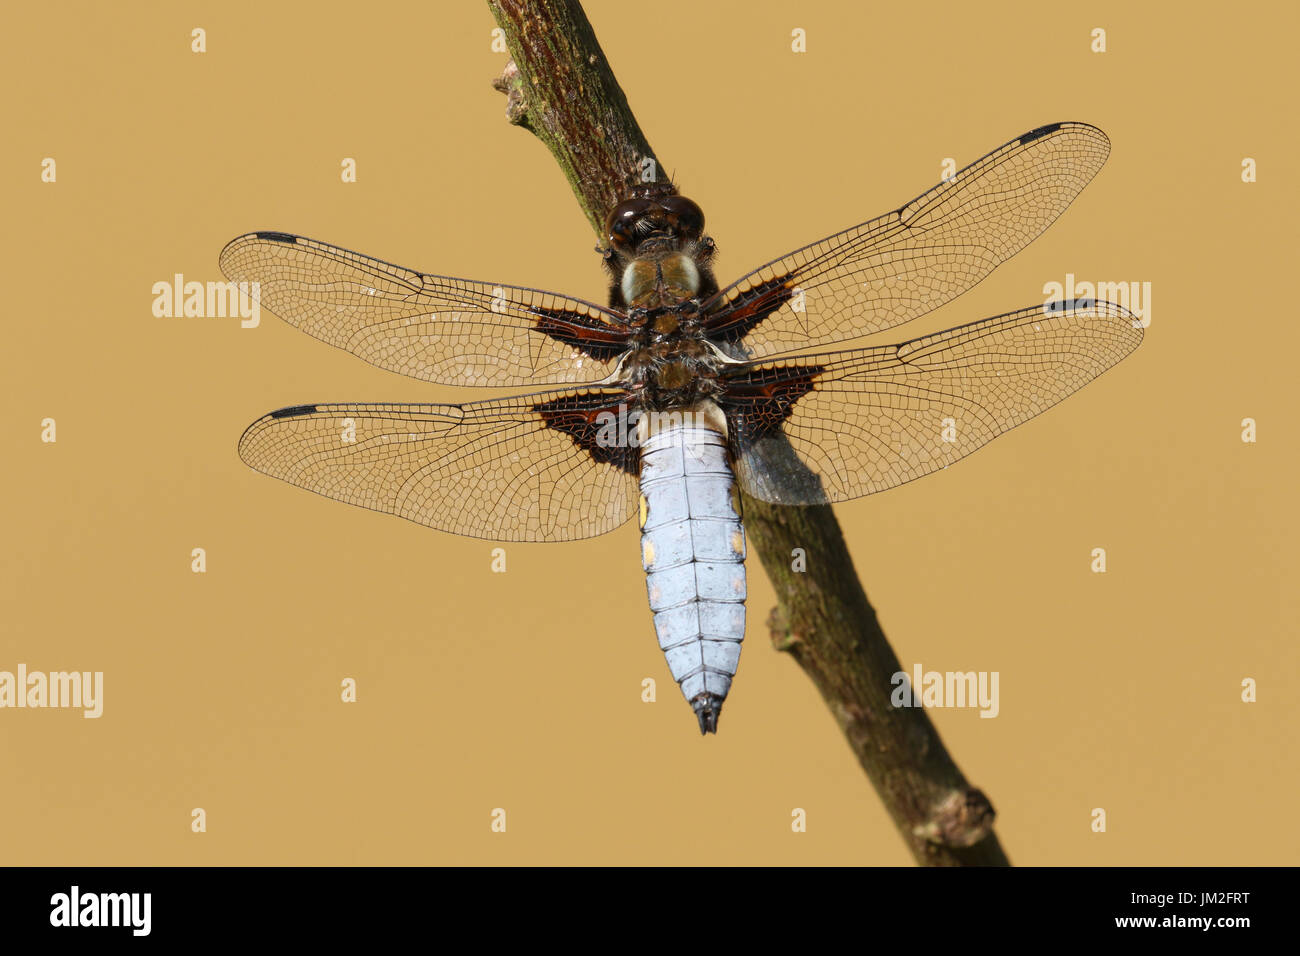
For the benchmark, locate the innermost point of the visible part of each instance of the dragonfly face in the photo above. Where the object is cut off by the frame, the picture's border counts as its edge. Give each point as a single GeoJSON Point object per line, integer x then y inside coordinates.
{"type": "Point", "coordinates": [679, 393]}
{"type": "Point", "coordinates": [658, 254]}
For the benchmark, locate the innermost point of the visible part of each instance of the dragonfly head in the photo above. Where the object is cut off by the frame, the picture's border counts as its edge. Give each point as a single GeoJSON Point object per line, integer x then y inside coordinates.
{"type": "Point", "coordinates": [657, 244]}
{"type": "Point", "coordinates": [635, 222]}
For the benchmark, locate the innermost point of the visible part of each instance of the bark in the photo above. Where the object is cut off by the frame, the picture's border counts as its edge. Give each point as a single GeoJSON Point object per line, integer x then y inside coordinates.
{"type": "Point", "coordinates": [560, 87]}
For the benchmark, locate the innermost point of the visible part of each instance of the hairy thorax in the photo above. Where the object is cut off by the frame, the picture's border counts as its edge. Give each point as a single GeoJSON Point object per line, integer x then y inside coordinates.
{"type": "Point", "coordinates": [671, 365]}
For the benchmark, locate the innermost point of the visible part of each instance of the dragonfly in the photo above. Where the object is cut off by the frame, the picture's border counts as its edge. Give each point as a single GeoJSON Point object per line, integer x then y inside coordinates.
{"type": "Point", "coordinates": [677, 394]}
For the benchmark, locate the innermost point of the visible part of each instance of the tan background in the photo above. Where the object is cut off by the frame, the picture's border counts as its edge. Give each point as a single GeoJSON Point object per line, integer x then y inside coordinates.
{"type": "Point", "coordinates": [521, 690]}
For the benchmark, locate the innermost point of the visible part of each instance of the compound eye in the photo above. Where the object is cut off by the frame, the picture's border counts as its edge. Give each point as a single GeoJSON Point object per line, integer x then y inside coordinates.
{"type": "Point", "coordinates": [685, 216]}
{"type": "Point", "coordinates": [620, 227]}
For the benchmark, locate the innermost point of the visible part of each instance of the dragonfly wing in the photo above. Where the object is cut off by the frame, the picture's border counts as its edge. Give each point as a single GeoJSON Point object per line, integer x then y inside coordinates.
{"type": "Point", "coordinates": [527, 468]}
{"type": "Point", "coordinates": [905, 263]}
{"type": "Point", "coordinates": [434, 328]}
{"type": "Point", "coordinates": [862, 421]}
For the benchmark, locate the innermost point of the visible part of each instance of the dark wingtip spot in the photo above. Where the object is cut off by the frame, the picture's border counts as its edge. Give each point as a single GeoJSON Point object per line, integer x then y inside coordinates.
{"type": "Point", "coordinates": [293, 411]}
{"type": "Point", "coordinates": [1039, 133]}
{"type": "Point", "coordinates": [277, 237]}
{"type": "Point", "coordinates": [1061, 306]}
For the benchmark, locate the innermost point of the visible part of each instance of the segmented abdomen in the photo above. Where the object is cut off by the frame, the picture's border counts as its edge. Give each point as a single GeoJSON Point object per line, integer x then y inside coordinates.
{"type": "Point", "coordinates": [693, 552]}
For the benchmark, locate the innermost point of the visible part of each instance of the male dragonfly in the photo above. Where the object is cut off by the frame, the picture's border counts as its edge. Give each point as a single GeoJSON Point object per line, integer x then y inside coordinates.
{"type": "Point", "coordinates": [678, 392]}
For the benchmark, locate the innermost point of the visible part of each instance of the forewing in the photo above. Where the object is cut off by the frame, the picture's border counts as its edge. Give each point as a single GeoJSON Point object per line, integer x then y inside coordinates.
{"type": "Point", "coordinates": [866, 420]}
{"type": "Point", "coordinates": [526, 468]}
{"type": "Point", "coordinates": [434, 328]}
{"type": "Point", "coordinates": [907, 262]}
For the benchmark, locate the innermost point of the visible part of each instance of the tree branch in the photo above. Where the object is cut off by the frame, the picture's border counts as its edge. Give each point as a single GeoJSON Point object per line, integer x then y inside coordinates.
{"type": "Point", "coordinates": [560, 87]}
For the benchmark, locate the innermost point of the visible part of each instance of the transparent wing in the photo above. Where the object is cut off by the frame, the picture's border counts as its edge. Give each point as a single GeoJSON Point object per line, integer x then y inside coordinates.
{"type": "Point", "coordinates": [434, 328]}
{"type": "Point", "coordinates": [526, 468]}
{"type": "Point", "coordinates": [907, 262]}
{"type": "Point", "coordinates": [866, 420]}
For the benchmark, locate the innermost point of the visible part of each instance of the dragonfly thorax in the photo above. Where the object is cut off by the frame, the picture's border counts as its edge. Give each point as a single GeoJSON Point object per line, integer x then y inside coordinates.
{"type": "Point", "coordinates": [675, 372]}
{"type": "Point", "coordinates": [660, 279]}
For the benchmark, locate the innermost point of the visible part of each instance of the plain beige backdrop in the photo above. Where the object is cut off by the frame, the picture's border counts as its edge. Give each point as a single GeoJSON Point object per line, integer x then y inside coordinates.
{"type": "Point", "coordinates": [521, 690]}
